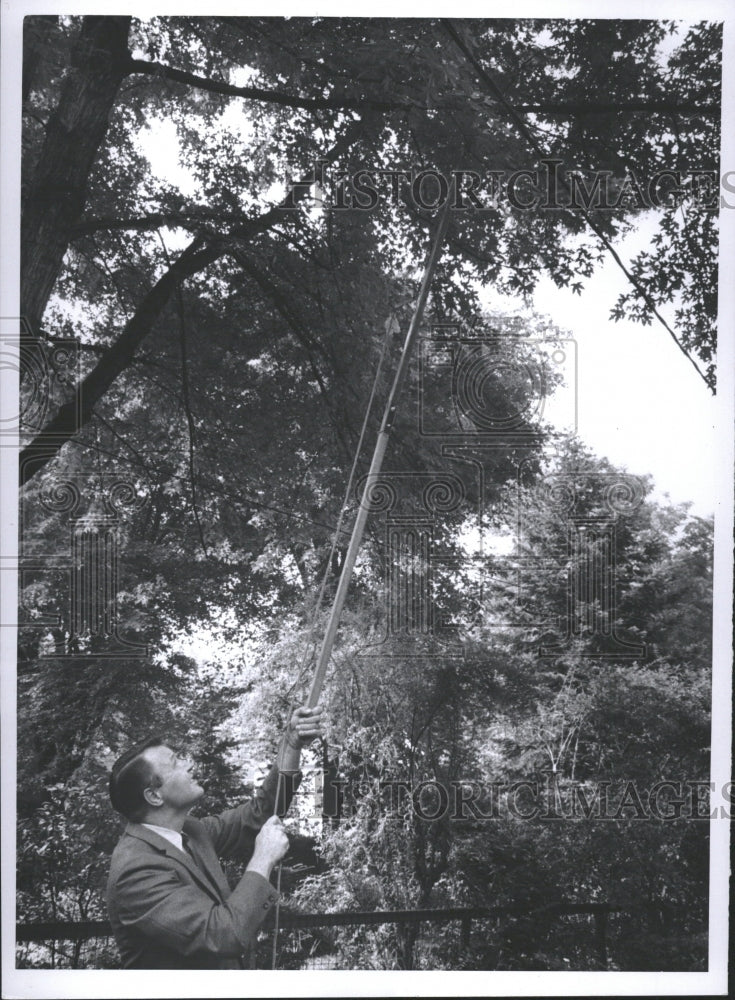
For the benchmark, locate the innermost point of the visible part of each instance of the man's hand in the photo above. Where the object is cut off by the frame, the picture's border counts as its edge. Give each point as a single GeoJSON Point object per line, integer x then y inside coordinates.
{"type": "Point", "coordinates": [270, 846]}
{"type": "Point", "coordinates": [304, 726]}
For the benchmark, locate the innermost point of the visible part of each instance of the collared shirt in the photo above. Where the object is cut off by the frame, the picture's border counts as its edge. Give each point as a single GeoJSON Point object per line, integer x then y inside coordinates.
{"type": "Point", "coordinates": [172, 836]}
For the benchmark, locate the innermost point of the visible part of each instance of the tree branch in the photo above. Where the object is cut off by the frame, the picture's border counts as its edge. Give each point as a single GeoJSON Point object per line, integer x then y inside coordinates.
{"type": "Point", "coordinates": [72, 416]}
{"type": "Point", "coordinates": [338, 103]}
{"type": "Point", "coordinates": [601, 108]}
{"type": "Point", "coordinates": [157, 219]}
{"type": "Point", "coordinates": [345, 103]}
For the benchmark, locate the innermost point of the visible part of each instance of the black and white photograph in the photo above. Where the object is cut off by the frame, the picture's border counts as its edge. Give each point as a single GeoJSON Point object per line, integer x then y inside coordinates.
{"type": "Point", "coordinates": [367, 460]}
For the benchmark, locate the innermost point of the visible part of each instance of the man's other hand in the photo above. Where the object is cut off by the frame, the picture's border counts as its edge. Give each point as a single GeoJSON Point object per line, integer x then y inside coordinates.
{"type": "Point", "coordinates": [270, 846]}
{"type": "Point", "coordinates": [305, 725]}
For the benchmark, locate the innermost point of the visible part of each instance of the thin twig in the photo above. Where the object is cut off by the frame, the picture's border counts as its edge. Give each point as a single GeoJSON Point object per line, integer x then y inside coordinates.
{"type": "Point", "coordinates": [187, 406]}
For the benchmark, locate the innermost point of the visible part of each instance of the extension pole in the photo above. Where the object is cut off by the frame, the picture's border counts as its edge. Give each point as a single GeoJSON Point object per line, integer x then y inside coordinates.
{"type": "Point", "coordinates": [377, 462]}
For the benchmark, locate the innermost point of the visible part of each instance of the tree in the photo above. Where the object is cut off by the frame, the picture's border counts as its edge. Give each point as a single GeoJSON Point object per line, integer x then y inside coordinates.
{"type": "Point", "coordinates": [316, 95]}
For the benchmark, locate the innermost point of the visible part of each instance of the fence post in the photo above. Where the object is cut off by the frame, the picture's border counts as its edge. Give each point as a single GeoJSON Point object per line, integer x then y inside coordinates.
{"type": "Point", "coordinates": [466, 928]}
{"type": "Point", "coordinates": [601, 936]}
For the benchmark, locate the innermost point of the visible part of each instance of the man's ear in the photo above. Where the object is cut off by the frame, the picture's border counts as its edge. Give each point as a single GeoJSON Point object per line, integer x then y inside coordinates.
{"type": "Point", "coordinates": [152, 796]}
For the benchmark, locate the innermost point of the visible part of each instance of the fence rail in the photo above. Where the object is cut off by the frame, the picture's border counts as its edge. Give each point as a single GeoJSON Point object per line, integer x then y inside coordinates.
{"type": "Point", "coordinates": [84, 929]}
{"type": "Point", "coordinates": [293, 925]}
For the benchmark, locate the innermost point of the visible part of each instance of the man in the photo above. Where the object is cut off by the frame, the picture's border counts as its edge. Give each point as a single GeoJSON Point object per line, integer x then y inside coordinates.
{"type": "Point", "coordinates": [169, 902]}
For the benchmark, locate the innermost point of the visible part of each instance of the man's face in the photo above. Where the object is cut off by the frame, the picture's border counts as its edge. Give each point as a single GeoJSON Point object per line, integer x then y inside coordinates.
{"type": "Point", "coordinates": [178, 789]}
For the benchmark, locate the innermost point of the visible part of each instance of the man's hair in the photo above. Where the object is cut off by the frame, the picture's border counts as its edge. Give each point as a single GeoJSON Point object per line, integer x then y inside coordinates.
{"type": "Point", "coordinates": [131, 775]}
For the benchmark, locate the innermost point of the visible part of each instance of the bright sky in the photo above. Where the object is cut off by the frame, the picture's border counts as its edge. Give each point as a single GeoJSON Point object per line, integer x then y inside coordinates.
{"type": "Point", "coordinates": [640, 402]}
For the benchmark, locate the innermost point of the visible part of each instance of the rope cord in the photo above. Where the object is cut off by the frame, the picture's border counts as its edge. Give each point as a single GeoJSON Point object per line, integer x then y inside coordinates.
{"type": "Point", "coordinates": [348, 492]}
{"type": "Point", "coordinates": [376, 464]}
{"type": "Point", "coordinates": [309, 645]}
{"type": "Point", "coordinates": [274, 951]}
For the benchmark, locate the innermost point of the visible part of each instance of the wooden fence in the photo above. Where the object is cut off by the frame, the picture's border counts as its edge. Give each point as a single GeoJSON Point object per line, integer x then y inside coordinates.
{"type": "Point", "coordinates": [92, 945]}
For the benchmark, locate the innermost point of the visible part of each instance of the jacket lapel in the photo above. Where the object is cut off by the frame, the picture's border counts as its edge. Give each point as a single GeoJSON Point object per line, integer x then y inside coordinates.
{"type": "Point", "coordinates": [202, 875]}
{"type": "Point", "coordinates": [208, 862]}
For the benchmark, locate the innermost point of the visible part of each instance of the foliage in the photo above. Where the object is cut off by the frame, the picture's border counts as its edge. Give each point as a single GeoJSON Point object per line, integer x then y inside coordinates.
{"type": "Point", "coordinates": [228, 352]}
{"type": "Point", "coordinates": [354, 93]}
{"type": "Point", "coordinates": [571, 725]}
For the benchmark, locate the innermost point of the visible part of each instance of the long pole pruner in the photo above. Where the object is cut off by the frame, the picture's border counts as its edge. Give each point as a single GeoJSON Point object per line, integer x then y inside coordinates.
{"type": "Point", "coordinates": [375, 466]}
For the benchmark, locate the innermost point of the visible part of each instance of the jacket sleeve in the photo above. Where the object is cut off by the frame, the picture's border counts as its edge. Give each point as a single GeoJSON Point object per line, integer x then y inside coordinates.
{"type": "Point", "coordinates": [233, 831]}
{"type": "Point", "coordinates": [152, 898]}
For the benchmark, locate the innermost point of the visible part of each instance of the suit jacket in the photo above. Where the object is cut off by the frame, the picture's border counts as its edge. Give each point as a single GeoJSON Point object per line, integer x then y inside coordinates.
{"type": "Point", "coordinates": [169, 911]}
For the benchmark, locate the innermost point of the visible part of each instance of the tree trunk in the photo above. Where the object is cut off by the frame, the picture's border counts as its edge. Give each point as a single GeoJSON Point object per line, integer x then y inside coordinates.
{"type": "Point", "coordinates": [55, 197]}
{"type": "Point", "coordinates": [72, 416]}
